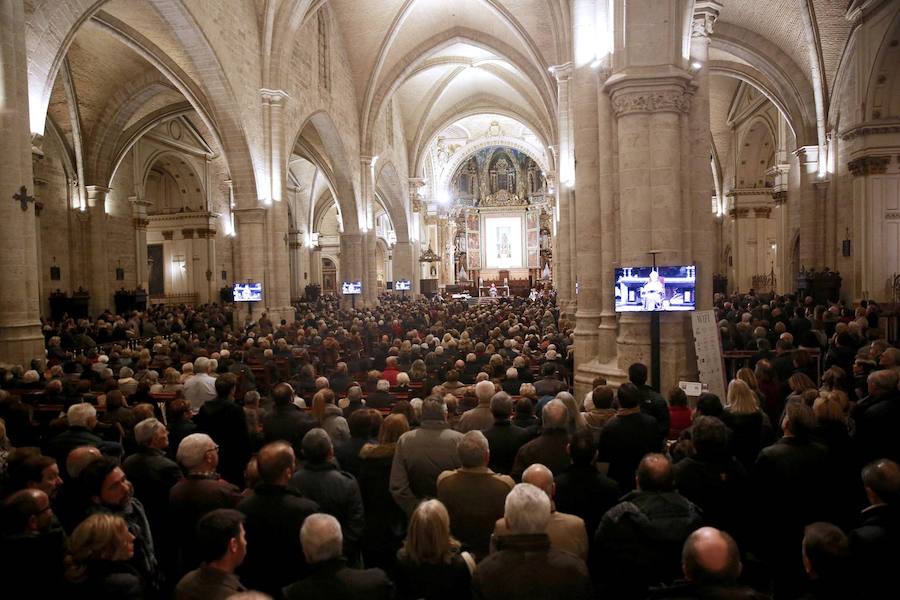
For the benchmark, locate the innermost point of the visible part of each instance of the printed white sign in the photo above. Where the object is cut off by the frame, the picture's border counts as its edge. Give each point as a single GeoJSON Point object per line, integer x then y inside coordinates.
{"type": "Point", "coordinates": [708, 346]}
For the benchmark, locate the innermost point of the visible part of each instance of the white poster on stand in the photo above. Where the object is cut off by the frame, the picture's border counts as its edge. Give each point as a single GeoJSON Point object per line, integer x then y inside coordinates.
{"type": "Point", "coordinates": [708, 346]}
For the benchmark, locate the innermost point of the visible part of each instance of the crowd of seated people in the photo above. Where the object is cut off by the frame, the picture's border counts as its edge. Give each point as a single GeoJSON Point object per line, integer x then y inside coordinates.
{"type": "Point", "coordinates": [434, 450]}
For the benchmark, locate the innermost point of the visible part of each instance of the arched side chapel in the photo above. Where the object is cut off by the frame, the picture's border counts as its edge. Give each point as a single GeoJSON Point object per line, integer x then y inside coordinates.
{"type": "Point", "coordinates": [179, 146]}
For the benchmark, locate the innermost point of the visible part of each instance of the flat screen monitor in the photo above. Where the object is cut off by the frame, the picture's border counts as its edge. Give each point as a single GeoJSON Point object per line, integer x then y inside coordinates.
{"type": "Point", "coordinates": [247, 292]}
{"type": "Point", "coordinates": [403, 285]}
{"type": "Point", "coordinates": [656, 289]}
{"type": "Point", "coordinates": [351, 288]}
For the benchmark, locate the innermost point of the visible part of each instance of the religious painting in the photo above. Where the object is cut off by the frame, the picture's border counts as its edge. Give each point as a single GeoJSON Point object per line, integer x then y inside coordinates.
{"type": "Point", "coordinates": [534, 258]}
{"type": "Point", "coordinates": [473, 253]}
{"type": "Point", "coordinates": [531, 219]}
{"type": "Point", "coordinates": [503, 242]}
{"type": "Point", "coordinates": [55, 274]}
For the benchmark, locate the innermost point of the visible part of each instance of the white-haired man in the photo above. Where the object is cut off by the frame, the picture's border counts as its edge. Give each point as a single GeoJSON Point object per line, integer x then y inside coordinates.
{"type": "Point", "coordinates": [566, 532]}
{"type": "Point", "coordinates": [200, 491]}
{"type": "Point", "coordinates": [525, 564]}
{"type": "Point", "coordinates": [329, 576]}
{"type": "Point", "coordinates": [202, 386]}
{"type": "Point", "coordinates": [480, 417]}
{"type": "Point", "coordinates": [82, 418]}
{"type": "Point", "coordinates": [153, 474]}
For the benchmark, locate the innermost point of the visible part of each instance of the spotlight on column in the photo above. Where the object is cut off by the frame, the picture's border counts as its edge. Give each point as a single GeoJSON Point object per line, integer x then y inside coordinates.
{"type": "Point", "coordinates": [696, 66]}
{"type": "Point", "coordinates": [596, 63]}
{"type": "Point", "coordinates": [443, 198]}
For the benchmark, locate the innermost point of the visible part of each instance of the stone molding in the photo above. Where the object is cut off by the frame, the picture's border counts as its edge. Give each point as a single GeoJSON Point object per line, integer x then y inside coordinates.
{"type": "Point", "coordinates": [779, 197]}
{"type": "Point", "coordinates": [206, 233]}
{"type": "Point", "coordinates": [250, 215]}
{"type": "Point", "coordinates": [562, 72]}
{"type": "Point", "coordinates": [868, 165]}
{"type": "Point", "coordinates": [140, 224]}
{"type": "Point", "coordinates": [706, 13]}
{"type": "Point", "coordinates": [763, 191]}
{"type": "Point", "coordinates": [168, 234]}
{"type": "Point", "coordinates": [274, 97]}
{"type": "Point", "coordinates": [872, 129]}
{"type": "Point", "coordinates": [187, 234]}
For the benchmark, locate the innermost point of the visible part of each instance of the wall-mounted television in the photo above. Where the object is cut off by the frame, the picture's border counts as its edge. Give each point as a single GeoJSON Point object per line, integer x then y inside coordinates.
{"type": "Point", "coordinates": [247, 292]}
{"type": "Point", "coordinates": [656, 289]}
{"type": "Point", "coordinates": [403, 285]}
{"type": "Point", "coordinates": [351, 288]}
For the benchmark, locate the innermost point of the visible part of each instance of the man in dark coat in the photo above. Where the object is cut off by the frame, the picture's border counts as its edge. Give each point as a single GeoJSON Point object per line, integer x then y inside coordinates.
{"type": "Point", "coordinates": [153, 475]}
{"type": "Point", "coordinates": [627, 437]}
{"type": "Point", "coordinates": [335, 491]}
{"type": "Point", "coordinates": [32, 550]}
{"type": "Point", "coordinates": [524, 565]}
{"type": "Point", "coordinates": [877, 418]}
{"type": "Point", "coordinates": [792, 479]}
{"type": "Point", "coordinates": [549, 384]}
{"type": "Point", "coordinates": [582, 490]}
{"type": "Point", "coordinates": [82, 418]}
{"type": "Point", "coordinates": [225, 422]}
{"type": "Point", "coordinates": [875, 543]}
{"type": "Point", "coordinates": [274, 517]}
{"type": "Point", "coordinates": [329, 576]}
{"type": "Point", "coordinates": [711, 564]}
{"type": "Point", "coordinates": [286, 421]}
{"type": "Point", "coordinates": [549, 448]}
{"type": "Point", "coordinates": [504, 438]}
{"type": "Point", "coordinates": [638, 541]}
{"type": "Point", "coordinates": [652, 403]}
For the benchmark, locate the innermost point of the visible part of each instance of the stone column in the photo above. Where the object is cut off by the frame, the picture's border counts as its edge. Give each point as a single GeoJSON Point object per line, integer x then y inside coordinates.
{"type": "Point", "coordinates": [295, 245]}
{"type": "Point", "coordinates": [210, 275]}
{"type": "Point", "coordinates": [140, 221]}
{"type": "Point", "coordinates": [20, 330]}
{"type": "Point", "coordinates": [649, 111]}
{"type": "Point", "coordinates": [315, 265]}
{"type": "Point", "coordinates": [251, 245]}
{"type": "Point", "coordinates": [699, 213]}
{"type": "Point", "coordinates": [99, 280]}
{"type": "Point", "coordinates": [278, 278]}
{"type": "Point", "coordinates": [562, 250]}
{"type": "Point", "coordinates": [587, 227]}
{"type": "Point", "coordinates": [370, 261]}
{"type": "Point", "coordinates": [810, 256]}
{"type": "Point", "coordinates": [609, 216]}
{"type": "Point", "coordinates": [352, 247]}
{"type": "Point", "coordinates": [403, 266]}
{"type": "Point", "coordinates": [39, 186]}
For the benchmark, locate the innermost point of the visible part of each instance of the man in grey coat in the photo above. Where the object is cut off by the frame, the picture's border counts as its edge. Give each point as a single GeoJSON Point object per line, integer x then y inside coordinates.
{"type": "Point", "coordinates": [422, 454]}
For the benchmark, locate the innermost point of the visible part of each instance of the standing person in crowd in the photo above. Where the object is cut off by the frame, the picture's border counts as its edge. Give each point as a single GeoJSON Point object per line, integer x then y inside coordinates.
{"type": "Point", "coordinates": [430, 565]}
{"type": "Point", "coordinates": [627, 437]}
{"type": "Point", "coordinates": [525, 565]}
{"type": "Point", "coordinates": [385, 520]}
{"type": "Point", "coordinates": [423, 454]}
{"type": "Point", "coordinates": [222, 546]}
{"type": "Point", "coordinates": [201, 387]}
{"type": "Point", "coordinates": [32, 546]}
{"type": "Point", "coordinates": [652, 403]}
{"type": "Point", "coordinates": [225, 422]}
{"type": "Point", "coordinates": [750, 427]}
{"type": "Point", "coordinates": [274, 514]}
{"type": "Point", "coordinates": [286, 421]}
{"type": "Point", "coordinates": [480, 417]}
{"type": "Point", "coordinates": [101, 560]}
{"type": "Point", "coordinates": [329, 576]}
{"type": "Point", "coordinates": [679, 413]}
{"type": "Point", "coordinates": [504, 437]}
{"type": "Point", "coordinates": [549, 448]}
{"type": "Point", "coordinates": [875, 542]}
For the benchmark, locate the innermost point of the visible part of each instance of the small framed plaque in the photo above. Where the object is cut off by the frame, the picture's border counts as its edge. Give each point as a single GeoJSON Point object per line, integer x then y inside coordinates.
{"type": "Point", "coordinates": [55, 274]}
{"type": "Point", "coordinates": [120, 274]}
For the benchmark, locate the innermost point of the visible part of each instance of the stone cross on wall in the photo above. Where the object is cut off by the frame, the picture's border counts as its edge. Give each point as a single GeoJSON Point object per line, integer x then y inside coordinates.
{"type": "Point", "coordinates": [23, 197]}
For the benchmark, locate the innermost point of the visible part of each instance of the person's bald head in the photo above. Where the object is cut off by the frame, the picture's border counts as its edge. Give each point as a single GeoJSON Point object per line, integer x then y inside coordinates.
{"type": "Point", "coordinates": [79, 458]}
{"type": "Point", "coordinates": [27, 511]}
{"type": "Point", "coordinates": [554, 415]}
{"type": "Point", "coordinates": [654, 474]}
{"type": "Point", "coordinates": [541, 477]}
{"type": "Point", "coordinates": [710, 555]}
{"type": "Point", "coordinates": [275, 462]}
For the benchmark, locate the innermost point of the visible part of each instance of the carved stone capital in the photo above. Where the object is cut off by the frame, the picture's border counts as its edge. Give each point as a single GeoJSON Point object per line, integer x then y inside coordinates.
{"type": "Point", "coordinates": [206, 233]}
{"type": "Point", "coordinates": [779, 197]}
{"type": "Point", "coordinates": [273, 97]}
{"type": "Point", "coordinates": [762, 212]}
{"type": "Point", "coordinates": [706, 12]}
{"type": "Point", "coordinates": [562, 72]}
{"type": "Point", "coordinates": [168, 234]}
{"type": "Point", "coordinates": [187, 233]}
{"type": "Point", "coordinates": [868, 165]}
{"type": "Point", "coordinates": [647, 102]}
{"type": "Point", "coordinates": [140, 224]}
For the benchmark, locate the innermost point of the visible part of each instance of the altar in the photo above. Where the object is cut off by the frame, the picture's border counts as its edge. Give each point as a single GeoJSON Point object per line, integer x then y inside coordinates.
{"type": "Point", "coordinates": [502, 291]}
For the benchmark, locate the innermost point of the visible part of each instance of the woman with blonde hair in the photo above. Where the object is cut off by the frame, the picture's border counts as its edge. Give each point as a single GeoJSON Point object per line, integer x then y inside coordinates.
{"type": "Point", "coordinates": [385, 521]}
{"type": "Point", "coordinates": [97, 566]}
{"type": "Point", "coordinates": [749, 377]}
{"type": "Point", "coordinates": [417, 371]}
{"type": "Point", "coordinates": [430, 564]}
{"type": "Point", "coordinates": [751, 428]}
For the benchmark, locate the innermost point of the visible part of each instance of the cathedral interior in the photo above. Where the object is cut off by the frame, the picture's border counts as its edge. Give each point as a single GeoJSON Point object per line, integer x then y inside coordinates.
{"type": "Point", "coordinates": [179, 146]}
